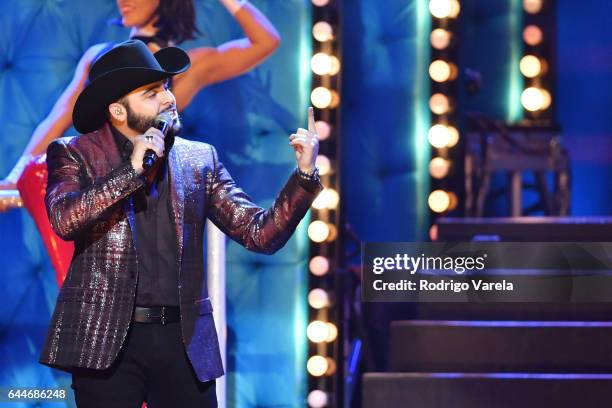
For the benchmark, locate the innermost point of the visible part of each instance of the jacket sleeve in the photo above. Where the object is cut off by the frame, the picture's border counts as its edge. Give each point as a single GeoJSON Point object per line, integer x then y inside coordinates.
{"type": "Point", "coordinates": [72, 204]}
{"type": "Point", "coordinates": [259, 230]}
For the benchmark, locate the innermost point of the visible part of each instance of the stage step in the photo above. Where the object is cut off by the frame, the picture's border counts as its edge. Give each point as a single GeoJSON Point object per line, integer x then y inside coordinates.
{"type": "Point", "coordinates": [530, 229]}
{"type": "Point", "coordinates": [478, 390]}
{"type": "Point", "coordinates": [501, 346]}
{"type": "Point", "coordinates": [515, 311]}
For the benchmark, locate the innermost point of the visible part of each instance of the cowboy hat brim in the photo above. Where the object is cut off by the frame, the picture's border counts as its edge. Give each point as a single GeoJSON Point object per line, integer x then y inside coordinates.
{"type": "Point", "coordinates": [90, 109]}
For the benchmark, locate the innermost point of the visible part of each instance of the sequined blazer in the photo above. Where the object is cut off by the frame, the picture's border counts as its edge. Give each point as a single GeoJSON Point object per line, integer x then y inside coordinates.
{"type": "Point", "coordinates": [89, 201]}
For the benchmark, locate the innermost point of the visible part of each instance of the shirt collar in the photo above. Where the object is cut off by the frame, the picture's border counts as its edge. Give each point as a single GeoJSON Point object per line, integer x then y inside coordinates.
{"type": "Point", "coordinates": [124, 145]}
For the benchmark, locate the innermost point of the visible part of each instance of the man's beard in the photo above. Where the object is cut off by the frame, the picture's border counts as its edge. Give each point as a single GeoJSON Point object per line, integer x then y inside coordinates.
{"type": "Point", "coordinates": [142, 123]}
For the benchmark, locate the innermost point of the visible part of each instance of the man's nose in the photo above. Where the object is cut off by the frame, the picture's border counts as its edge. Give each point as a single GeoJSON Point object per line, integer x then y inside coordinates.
{"type": "Point", "coordinates": [166, 97]}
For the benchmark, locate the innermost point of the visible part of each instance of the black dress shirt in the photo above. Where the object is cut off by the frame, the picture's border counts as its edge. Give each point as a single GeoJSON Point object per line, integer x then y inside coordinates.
{"type": "Point", "coordinates": [155, 240]}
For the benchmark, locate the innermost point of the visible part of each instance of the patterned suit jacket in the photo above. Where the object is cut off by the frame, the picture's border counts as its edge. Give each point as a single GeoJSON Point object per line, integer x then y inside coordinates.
{"type": "Point", "coordinates": [89, 201]}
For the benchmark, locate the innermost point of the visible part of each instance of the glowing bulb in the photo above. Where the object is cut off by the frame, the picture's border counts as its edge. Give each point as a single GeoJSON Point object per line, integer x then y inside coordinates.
{"type": "Point", "coordinates": [442, 71]}
{"type": "Point", "coordinates": [317, 399]}
{"type": "Point", "coordinates": [320, 63]}
{"type": "Point", "coordinates": [320, 3]}
{"type": "Point", "coordinates": [318, 298]}
{"type": "Point", "coordinates": [319, 265]}
{"type": "Point", "coordinates": [440, 8]}
{"type": "Point", "coordinates": [317, 365]}
{"type": "Point", "coordinates": [433, 232]}
{"type": "Point", "coordinates": [453, 200]}
{"type": "Point", "coordinates": [530, 66]}
{"type": "Point", "coordinates": [455, 9]}
{"type": "Point", "coordinates": [335, 65]}
{"type": "Point", "coordinates": [439, 201]}
{"type": "Point", "coordinates": [532, 99]}
{"type": "Point", "coordinates": [322, 31]}
{"type": "Point", "coordinates": [327, 198]}
{"type": "Point", "coordinates": [335, 99]}
{"type": "Point", "coordinates": [317, 331]}
{"type": "Point", "coordinates": [532, 35]}
{"type": "Point", "coordinates": [439, 167]}
{"type": "Point", "coordinates": [320, 202]}
{"type": "Point", "coordinates": [321, 97]}
{"type": "Point", "coordinates": [439, 136]}
{"type": "Point", "coordinates": [331, 366]}
{"type": "Point", "coordinates": [454, 136]}
{"type": "Point", "coordinates": [318, 231]}
{"type": "Point", "coordinates": [440, 38]}
{"type": "Point", "coordinates": [324, 164]}
{"type": "Point", "coordinates": [332, 332]}
{"type": "Point", "coordinates": [439, 104]}
{"type": "Point", "coordinates": [532, 6]}
{"type": "Point", "coordinates": [323, 129]}
{"type": "Point", "coordinates": [333, 232]}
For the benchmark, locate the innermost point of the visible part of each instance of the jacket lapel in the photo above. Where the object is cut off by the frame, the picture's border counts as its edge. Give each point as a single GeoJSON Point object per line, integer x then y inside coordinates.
{"type": "Point", "coordinates": [177, 197]}
{"type": "Point", "coordinates": [106, 142]}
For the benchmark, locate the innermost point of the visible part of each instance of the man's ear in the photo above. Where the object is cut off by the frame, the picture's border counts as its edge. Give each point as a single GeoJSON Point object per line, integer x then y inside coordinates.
{"type": "Point", "coordinates": [117, 112]}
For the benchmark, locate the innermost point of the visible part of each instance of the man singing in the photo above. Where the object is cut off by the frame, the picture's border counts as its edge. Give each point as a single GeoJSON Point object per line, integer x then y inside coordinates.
{"type": "Point", "coordinates": [133, 321]}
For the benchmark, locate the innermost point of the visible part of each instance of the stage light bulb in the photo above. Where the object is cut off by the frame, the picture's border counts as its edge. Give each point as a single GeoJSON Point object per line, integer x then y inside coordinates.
{"type": "Point", "coordinates": [433, 232]}
{"type": "Point", "coordinates": [323, 164]}
{"type": "Point", "coordinates": [322, 31]}
{"type": "Point", "coordinates": [439, 136]}
{"type": "Point", "coordinates": [439, 201]}
{"type": "Point", "coordinates": [321, 97]}
{"type": "Point", "coordinates": [440, 38]}
{"type": "Point", "coordinates": [331, 366]}
{"type": "Point", "coordinates": [335, 65]}
{"type": "Point", "coordinates": [440, 71]}
{"type": "Point", "coordinates": [318, 265]}
{"type": "Point", "coordinates": [333, 232]}
{"type": "Point", "coordinates": [327, 198]}
{"type": "Point", "coordinates": [530, 66]}
{"type": "Point", "coordinates": [317, 331]}
{"type": "Point", "coordinates": [454, 136]}
{"type": "Point", "coordinates": [332, 332]}
{"type": "Point", "coordinates": [318, 231]}
{"type": "Point", "coordinates": [335, 99]}
{"type": "Point", "coordinates": [318, 298]}
{"type": "Point", "coordinates": [532, 6]}
{"type": "Point", "coordinates": [320, 63]}
{"type": "Point", "coordinates": [320, 3]}
{"type": "Point", "coordinates": [532, 99]}
{"type": "Point", "coordinates": [455, 9]}
{"type": "Point", "coordinates": [439, 104]}
{"type": "Point", "coordinates": [532, 35]}
{"type": "Point", "coordinates": [317, 399]}
{"type": "Point", "coordinates": [319, 202]}
{"type": "Point", "coordinates": [323, 129]}
{"type": "Point", "coordinates": [439, 167]}
{"type": "Point", "coordinates": [317, 366]}
{"type": "Point", "coordinates": [440, 8]}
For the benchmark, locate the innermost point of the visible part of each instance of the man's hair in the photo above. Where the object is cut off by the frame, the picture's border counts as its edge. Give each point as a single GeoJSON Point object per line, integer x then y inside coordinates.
{"type": "Point", "coordinates": [177, 21]}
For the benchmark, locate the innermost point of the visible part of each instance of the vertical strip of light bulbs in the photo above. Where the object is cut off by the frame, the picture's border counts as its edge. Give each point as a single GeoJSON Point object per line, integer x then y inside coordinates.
{"type": "Point", "coordinates": [443, 134]}
{"type": "Point", "coordinates": [536, 98]}
{"type": "Point", "coordinates": [322, 331]}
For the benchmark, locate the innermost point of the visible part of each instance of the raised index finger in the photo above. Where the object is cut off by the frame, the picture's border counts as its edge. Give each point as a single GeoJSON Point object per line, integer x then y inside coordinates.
{"type": "Point", "coordinates": [311, 120]}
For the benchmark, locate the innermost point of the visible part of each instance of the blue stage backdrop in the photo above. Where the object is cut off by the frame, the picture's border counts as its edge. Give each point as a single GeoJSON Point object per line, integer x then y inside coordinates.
{"type": "Point", "coordinates": [248, 119]}
{"type": "Point", "coordinates": [385, 118]}
{"type": "Point", "coordinates": [584, 100]}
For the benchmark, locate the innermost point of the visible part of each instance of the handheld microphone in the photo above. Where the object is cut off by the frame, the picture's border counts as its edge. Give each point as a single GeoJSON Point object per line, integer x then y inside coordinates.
{"type": "Point", "coordinates": [163, 122]}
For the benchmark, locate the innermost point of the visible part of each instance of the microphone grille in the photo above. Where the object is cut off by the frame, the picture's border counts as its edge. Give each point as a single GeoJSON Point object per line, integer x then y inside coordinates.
{"type": "Point", "coordinates": [164, 117]}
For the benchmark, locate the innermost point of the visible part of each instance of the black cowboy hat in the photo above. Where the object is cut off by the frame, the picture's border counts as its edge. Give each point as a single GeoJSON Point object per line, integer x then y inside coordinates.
{"type": "Point", "coordinates": [127, 66]}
